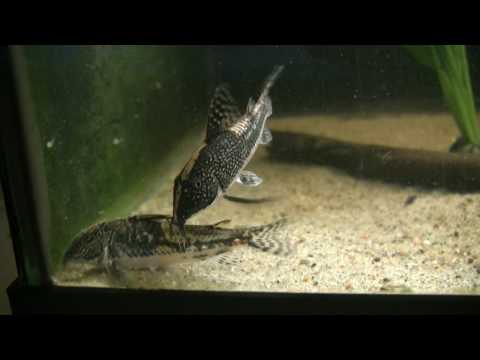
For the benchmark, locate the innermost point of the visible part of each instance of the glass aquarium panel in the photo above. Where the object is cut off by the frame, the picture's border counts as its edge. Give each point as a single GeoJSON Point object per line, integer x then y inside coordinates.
{"type": "Point", "coordinates": [325, 169]}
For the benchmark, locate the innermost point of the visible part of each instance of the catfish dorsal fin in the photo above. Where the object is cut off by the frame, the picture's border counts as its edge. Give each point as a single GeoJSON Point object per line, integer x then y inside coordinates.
{"type": "Point", "coordinates": [222, 112]}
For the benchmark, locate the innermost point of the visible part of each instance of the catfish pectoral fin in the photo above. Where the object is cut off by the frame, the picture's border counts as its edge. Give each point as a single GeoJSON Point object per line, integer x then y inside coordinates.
{"type": "Point", "coordinates": [226, 221]}
{"type": "Point", "coordinates": [248, 178]}
{"type": "Point", "coordinates": [266, 137]}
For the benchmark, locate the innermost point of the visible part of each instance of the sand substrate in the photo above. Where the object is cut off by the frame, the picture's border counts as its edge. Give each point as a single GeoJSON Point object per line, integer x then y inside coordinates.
{"type": "Point", "coordinates": [350, 235]}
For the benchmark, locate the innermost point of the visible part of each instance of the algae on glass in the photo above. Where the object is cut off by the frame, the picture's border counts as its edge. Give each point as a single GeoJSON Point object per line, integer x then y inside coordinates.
{"type": "Point", "coordinates": [104, 115]}
{"type": "Point", "coordinates": [451, 65]}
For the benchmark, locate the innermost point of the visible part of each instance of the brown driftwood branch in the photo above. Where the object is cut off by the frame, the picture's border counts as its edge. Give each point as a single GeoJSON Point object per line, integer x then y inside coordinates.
{"type": "Point", "coordinates": [432, 169]}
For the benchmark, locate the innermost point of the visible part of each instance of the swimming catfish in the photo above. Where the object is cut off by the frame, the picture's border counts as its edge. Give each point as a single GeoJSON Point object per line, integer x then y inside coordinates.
{"type": "Point", "coordinates": [150, 242]}
{"type": "Point", "coordinates": [230, 142]}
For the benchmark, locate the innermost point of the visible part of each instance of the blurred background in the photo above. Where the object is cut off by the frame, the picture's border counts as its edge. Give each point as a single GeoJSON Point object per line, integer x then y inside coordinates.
{"type": "Point", "coordinates": [8, 271]}
{"type": "Point", "coordinates": [337, 79]}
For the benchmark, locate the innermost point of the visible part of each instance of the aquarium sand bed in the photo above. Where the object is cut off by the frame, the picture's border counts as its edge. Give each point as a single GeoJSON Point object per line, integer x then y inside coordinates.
{"type": "Point", "coordinates": [350, 235]}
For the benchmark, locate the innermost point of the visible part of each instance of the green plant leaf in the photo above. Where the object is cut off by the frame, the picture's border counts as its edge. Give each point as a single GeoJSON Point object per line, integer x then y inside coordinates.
{"type": "Point", "coordinates": [451, 65]}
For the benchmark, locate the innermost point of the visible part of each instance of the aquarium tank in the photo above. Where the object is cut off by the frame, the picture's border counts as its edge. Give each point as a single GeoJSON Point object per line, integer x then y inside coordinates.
{"type": "Point", "coordinates": [298, 171]}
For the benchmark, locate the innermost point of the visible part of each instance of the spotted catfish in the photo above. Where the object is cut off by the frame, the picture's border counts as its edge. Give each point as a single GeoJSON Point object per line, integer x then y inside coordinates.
{"type": "Point", "coordinates": [230, 143]}
{"type": "Point", "coordinates": [148, 242]}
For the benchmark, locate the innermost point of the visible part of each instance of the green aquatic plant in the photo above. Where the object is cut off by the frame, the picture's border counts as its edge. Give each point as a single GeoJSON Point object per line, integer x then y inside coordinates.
{"type": "Point", "coordinates": [451, 65]}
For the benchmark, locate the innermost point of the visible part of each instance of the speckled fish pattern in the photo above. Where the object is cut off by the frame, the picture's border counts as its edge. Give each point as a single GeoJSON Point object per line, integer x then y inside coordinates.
{"type": "Point", "coordinates": [230, 143]}
{"type": "Point", "coordinates": [147, 237]}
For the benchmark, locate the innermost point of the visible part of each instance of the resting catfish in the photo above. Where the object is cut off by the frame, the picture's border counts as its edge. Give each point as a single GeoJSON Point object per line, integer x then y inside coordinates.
{"type": "Point", "coordinates": [150, 242]}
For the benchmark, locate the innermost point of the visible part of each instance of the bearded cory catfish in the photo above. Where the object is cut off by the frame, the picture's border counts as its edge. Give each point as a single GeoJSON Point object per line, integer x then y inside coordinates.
{"type": "Point", "coordinates": [150, 242]}
{"type": "Point", "coordinates": [230, 143]}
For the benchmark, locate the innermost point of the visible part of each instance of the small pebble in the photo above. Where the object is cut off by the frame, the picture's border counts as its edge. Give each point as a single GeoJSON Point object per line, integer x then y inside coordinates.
{"type": "Point", "coordinates": [377, 259]}
{"type": "Point", "coordinates": [410, 200]}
